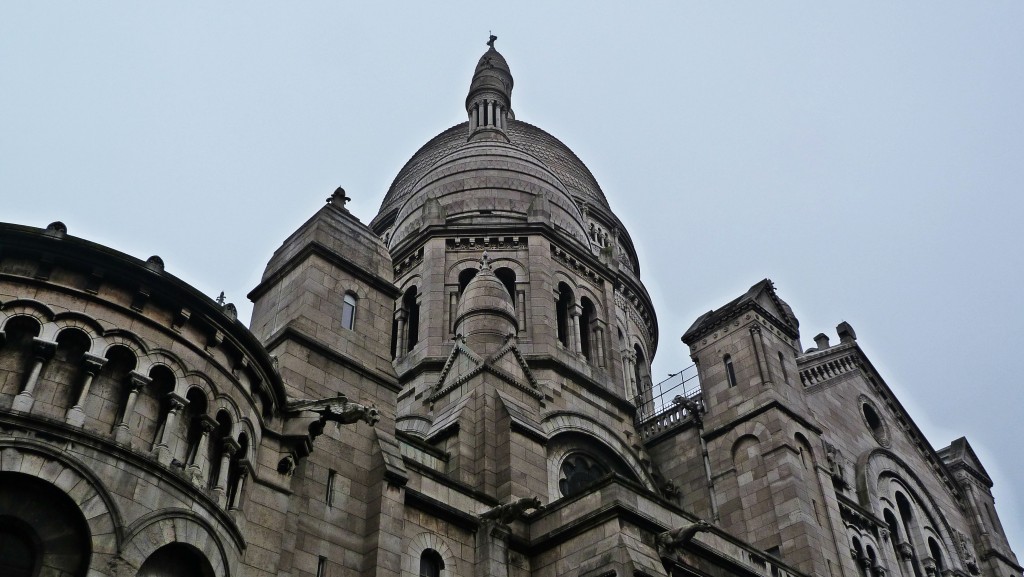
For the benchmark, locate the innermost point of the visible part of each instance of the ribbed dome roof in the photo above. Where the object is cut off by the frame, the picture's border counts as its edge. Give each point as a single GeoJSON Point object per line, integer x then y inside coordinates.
{"type": "Point", "coordinates": [556, 156]}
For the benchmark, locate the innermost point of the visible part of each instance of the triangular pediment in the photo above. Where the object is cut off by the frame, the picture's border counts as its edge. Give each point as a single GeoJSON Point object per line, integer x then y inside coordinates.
{"type": "Point", "coordinates": [507, 364]}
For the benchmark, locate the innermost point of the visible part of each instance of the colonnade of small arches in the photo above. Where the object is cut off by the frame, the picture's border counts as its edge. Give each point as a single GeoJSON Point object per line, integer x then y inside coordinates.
{"type": "Point", "coordinates": [65, 367]}
{"type": "Point", "coordinates": [580, 322]}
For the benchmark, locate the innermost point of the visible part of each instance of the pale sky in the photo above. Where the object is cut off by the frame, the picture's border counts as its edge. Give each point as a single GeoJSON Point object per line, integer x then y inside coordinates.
{"type": "Point", "coordinates": [867, 157]}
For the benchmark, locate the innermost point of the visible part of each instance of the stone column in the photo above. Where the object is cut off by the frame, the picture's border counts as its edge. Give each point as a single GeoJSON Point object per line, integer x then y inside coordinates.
{"type": "Point", "coordinates": [762, 361]}
{"type": "Point", "coordinates": [521, 310]}
{"type": "Point", "coordinates": [907, 556]}
{"type": "Point", "coordinates": [400, 315]}
{"type": "Point", "coordinates": [628, 360]}
{"type": "Point", "coordinates": [123, 431]}
{"type": "Point", "coordinates": [220, 490]}
{"type": "Point", "coordinates": [453, 305]}
{"type": "Point", "coordinates": [243, 473]}
{"type": "Point", "coordinates": [91, 364]}
{"type": "Point", "coordinates": [599, 338]}
{"type": "Point", "coordinates": [574, 331]}
{"type": "Point", "coordinates": [42, 351]}
{"type": "Point", "coordinates": [196, 469]}
{"type": "Point", "coordinates": [162, 448]}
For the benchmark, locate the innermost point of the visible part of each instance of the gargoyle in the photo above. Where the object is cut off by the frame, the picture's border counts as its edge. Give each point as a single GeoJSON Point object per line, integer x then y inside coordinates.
{"type": "Point", "coordinates": [338, 410]}
{"type": "Point", "coordinates": [676, 538]}
{"type": "Point", "coordinates": [509, 512]}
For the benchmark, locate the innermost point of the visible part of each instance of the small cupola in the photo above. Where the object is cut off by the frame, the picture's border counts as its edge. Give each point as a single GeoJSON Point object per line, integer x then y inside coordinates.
{"type": "Point", "coordinates": [485, 315]}
{"type": "Point", "coordinates": [489, 103]}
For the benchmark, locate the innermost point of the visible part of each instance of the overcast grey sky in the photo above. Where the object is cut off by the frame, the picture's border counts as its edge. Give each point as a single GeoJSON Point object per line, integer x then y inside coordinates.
{"type": "Point", "coordinates": [868, 157]}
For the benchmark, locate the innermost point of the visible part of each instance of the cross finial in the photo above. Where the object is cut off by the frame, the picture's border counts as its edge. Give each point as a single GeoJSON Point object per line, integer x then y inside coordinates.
{"type": "Point", "coordinates": [338, 198]}
{"type": "Point", "coordinates": [485, 261]}
{"type": "Point", "coordinates": [490, 42]}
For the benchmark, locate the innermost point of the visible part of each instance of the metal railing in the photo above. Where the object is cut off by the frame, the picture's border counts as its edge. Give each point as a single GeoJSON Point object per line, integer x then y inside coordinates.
{"type": "Point", "coordinates": [656, 399]}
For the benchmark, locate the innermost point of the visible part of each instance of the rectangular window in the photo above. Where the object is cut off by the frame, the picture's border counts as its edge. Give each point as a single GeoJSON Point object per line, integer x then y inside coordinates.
{"type": "Point", "coordinates": [332, 477]}
{"type": "Point", "coordinates": [321, 567]}
{"type": "Point", "coordinates": [348, 312]}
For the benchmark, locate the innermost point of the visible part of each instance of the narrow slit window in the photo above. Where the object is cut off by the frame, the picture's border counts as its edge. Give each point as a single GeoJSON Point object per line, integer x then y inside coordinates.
{"type": "Point", "coordinates": [332, 478]}
{"type": "Point", "coordinates": [730, 374]}
{"type": "Point", "coordinates": [348, 312]}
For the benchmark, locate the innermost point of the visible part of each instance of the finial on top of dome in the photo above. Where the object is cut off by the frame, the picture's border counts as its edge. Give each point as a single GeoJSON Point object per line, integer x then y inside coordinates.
{"type": "Point", "coordinates": [485, 261]}
{"type": "Point", "coordinates": [490, 42]}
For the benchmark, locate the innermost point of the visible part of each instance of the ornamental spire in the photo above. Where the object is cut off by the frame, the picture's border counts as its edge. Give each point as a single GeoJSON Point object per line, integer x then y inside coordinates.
{"type": "Point", "coordinates": [489, 102]}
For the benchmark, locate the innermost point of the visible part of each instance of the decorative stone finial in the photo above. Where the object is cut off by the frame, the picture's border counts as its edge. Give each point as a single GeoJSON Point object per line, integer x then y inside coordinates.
{"type": "Point", "coordinates": [485, 261]}
{"type": "Point", "coordinates": [57, 227]}
{"type": "Point", "coordinates": [338, 198]}
{"type": "Point", "coordinates": [490, 41]}
{"type": "Point", "coordinates": [155, 263]}
{"type": "Point", "coordinates": [221, 299]}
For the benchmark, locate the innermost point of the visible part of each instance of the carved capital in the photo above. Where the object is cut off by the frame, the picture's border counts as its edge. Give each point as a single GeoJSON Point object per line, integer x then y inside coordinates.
{"type": "Point", "coordinates": [229, 446]}
{"type": "Point", "coordinates": [42, 350]}
{"type": "Point", "coordinates": [176, 401]}
{"type": "Point", "coordinates": [207, 423]}
{"type": "Point", "coordinates": [906, 551]}
{"type": "Point", "coordinates": [138, 380]}
{"type": "Point", "coordinates": [92, 364]}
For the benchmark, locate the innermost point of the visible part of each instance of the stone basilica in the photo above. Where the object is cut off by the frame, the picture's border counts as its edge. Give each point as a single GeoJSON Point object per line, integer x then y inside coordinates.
{"type": "Point", "coordinates": [460, 388]}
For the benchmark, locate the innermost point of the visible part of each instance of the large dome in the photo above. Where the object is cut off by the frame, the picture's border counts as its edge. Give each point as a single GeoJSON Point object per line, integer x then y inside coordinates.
{"type": "Point", "coordinates": [556, 156]}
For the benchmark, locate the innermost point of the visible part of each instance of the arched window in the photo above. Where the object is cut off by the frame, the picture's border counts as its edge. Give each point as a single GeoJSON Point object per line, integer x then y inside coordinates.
{"type": "Point", "coordinates": [109, 389]}
{"type": "Point", "coordinates": [933, 548]}
{"type": "Point", "coordinates": [216, 447]}
{"type": "Point", "coordinates": [236, 472]}
{"type": "Point", "coordinates": [730, 373]}
{"type": "Point", "coordinates": [348, 311]}
{"type": "Point", "coordinates": [562, 306]}
{"type": "Point", "coordinates": [16, 354]}
{"type": "Point", "coordinates": [862, 559]}
{"type": "Point", "coordinates": [578, 472]}
{"type": "Point", "coordinates": [195, 410]}
{"type": "Point", "coordinates": [431, 563]}
{"type": "Point", "coordinates": [465, 276]}
{"type": "Point", "coordinates": [909, 528]}
{"type": "Point", "coordinates": [507, 277]}
{"type": "Point", "coordinates": [152, 404]}
{"type": "Point", "coordinates": [176, 560]}
{"type": "Point", "coordinates": [412, 320]}
{"type": "Point", "coordinates": [895, 537]}
{"type": "Point", "coordinates": [64, 368]}
{"type": "Point", "coordinates": [586, 318]}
